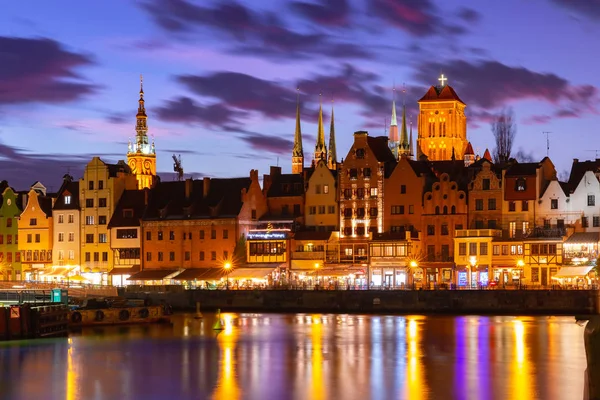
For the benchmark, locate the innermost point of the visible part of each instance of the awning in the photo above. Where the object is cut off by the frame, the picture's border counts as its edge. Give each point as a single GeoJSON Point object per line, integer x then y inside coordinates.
{"type": "Point", "coordinates": [200, 274]}
{"type": "Point", "coordinates": [152, 275]}
{"type": "Point", "coordinates": [570, 272]}
{"type": "Point", "coordinates": [251, 273]}
{"type": "Point", "coordinates": [337, 272]}
{"type": "Point", "coordinates": [125, 270]}
{"type": "Point", "coordinates": [57, 272]}
{"type": "Point", "coordinates": [583, 238]}
{"type": "Point", "coordinates": [305, 264]}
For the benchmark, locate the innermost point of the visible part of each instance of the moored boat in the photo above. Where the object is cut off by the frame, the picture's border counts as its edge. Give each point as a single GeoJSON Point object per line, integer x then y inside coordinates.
{"type": "Point", "coordinates": [117, 311]}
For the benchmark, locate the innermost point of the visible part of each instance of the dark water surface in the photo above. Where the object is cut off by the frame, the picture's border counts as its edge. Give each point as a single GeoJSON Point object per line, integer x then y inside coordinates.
{"type": "Point", "coordinates": [302, 356]}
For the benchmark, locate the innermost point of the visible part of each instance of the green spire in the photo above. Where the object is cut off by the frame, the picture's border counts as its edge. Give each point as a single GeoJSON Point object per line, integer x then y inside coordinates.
{"type": "Point", "coordinates": [298, 152]}
{"type": "Point", "coordinates": [320, 147]}
{"type": "Point", "coordinates": [332, 152]}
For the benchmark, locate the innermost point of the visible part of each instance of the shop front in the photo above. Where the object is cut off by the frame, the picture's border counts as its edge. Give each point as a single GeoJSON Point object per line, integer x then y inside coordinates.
{"type": "Point", "coordinates": [395, 276]}
{"type": "Point", "coordinates": [473, 277]}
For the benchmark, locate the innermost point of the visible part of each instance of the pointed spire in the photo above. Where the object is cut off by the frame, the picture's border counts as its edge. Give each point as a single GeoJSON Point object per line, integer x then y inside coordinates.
{"type": "Point", "coordinates": [411, 150]}
{"type": "Point", "coordinates": [320, 147]}
{"type": "Point", "coordinates": [297, 152]}
{"type": "Point", "coordinates": [141, 125]}
{"type": "Point", "coordinates": [332, 160]}
{"type": "Point", "coordinates": [393, 134]}
{"type": "Point", "coordinates": [487, 155]}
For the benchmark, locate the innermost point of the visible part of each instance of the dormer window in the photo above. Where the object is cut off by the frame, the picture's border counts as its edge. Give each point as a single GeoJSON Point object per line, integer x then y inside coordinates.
{"type": "Point", "coordinates": [520, 185]}
{"type": "Point", "coordinates": [127, 213]}
{"type": "Point", "coordinates": [68, 199]}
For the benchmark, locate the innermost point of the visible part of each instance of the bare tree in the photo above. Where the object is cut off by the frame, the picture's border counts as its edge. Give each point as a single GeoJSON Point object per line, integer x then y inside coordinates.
{"type": "Point", "coordinates": [504, 130]}
{"type": "Point", "coordinates": [524, 157]}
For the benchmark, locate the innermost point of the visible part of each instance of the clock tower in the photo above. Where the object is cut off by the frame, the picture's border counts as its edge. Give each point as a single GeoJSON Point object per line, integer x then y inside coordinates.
{"type": "Point", "coordinates": [141, 155]}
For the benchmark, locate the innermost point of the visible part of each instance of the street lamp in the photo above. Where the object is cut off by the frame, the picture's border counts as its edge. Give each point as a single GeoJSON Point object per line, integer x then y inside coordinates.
{"type": "Point", "coordinates": [413, 264]}
{"type": "Point", "coordinates": [317, 269]}
{"type": "Point", "coordinates": [520, 265]}
{"type": "Point", "coordinates": [227, 267]}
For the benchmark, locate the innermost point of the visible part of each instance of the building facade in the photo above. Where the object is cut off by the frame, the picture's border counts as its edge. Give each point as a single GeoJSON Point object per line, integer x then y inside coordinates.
{"type": "Point", "coordinates": [99, 191]}
{"type": "Point", "coordinates": [321, 199]}
{"type": "Point", "coordinates": [67, 226]}
{"type": "Point", "coordinates": [10, 257]}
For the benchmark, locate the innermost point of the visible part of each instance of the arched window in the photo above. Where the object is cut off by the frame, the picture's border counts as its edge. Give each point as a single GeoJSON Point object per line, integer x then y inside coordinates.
{"type": "Point", "coordinates": [453, 210]}
{"type": "Point", "coordinates": [445, 210]}
{"type": "Point", "coordinates": [437, 210]}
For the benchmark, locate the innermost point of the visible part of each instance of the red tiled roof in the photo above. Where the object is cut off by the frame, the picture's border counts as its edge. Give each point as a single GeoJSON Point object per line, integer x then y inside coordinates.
{"type": "Point", "coordinates": [437, 94]}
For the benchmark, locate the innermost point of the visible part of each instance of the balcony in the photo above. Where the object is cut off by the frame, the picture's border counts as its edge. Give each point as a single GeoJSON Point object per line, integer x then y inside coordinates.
{"type": "Point", "coordinates": [308, 255]}
{"type": "Point", "coordinates": [478, 233]}
{"type": "Point", "coordinates": [546, 232]}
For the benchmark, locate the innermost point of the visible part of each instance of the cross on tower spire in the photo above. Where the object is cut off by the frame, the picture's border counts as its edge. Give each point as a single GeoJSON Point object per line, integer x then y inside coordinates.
{"type": "Point", "coordinates": [442, 80]}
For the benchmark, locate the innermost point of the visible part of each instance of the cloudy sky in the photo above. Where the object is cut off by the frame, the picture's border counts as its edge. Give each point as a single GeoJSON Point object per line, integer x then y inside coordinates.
{"type": "Point", "coordinates": [220, 76]}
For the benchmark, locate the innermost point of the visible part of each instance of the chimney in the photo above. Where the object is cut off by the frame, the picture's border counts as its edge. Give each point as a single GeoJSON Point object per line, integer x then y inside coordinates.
{"type": "Point", "coordinates": [575, 160]}
{"type": "Point", "coordinates": [275, 171]}
{"type": "Point", "coordinates": [189, 185]}
{"type": "Point", "coordinates": [206, 189]}
{"type": "Point", "coordinates": [254, 175]}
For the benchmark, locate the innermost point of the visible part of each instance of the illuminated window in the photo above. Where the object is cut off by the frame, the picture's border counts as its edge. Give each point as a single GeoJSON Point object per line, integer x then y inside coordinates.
{"type": "Point", "coordinates": [325, 189]}
{"type": "Point", "coordinates": [68, 199]}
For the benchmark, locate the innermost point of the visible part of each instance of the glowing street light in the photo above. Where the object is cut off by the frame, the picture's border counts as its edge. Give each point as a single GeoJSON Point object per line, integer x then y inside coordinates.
{"type": "Point", "coordinates": [317, 269]}
{"type": "Point", "coordinates": [520, 265]}
{"type": "Point", "coordinates": [227, 267]}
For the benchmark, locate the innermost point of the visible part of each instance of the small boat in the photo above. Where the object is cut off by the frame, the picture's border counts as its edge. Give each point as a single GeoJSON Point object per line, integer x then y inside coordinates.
{"type": "Point", "coordinates": [117, 311]}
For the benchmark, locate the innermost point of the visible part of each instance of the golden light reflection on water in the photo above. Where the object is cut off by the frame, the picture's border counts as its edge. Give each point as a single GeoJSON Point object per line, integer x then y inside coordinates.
{"type": "Point", "coordinates": [520, 371]}
{"type": "Point", "coordinates": [71, 374]}
{"type": "Point", "coordinates": [415, 372]}
{"type": "Point", "coordinates": [227, 387]}
{"type": "Point", "coordinates": [316, 335]}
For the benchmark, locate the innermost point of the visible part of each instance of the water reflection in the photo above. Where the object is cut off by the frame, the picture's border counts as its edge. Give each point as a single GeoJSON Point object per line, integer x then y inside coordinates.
{"type": "Point", "coordinates": [305, 357]}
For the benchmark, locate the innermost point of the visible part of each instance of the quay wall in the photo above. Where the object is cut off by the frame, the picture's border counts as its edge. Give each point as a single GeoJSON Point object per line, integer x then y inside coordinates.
{"type": "Point", "coordinates": [512, 302]}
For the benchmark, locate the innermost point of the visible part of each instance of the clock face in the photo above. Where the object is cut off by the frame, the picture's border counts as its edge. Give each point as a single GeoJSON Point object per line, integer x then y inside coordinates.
{"type": "Point", "coordinates": [9, 202]}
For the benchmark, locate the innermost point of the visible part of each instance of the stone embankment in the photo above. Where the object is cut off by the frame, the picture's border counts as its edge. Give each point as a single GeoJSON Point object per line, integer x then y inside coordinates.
{"type": "Point", "coordinates": [522, 302]}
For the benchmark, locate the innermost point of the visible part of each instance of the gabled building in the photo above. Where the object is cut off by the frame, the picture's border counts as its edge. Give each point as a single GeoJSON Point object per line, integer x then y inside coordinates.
{"type": "Point", "coordinates": [485, 196]}
{"type": "Point", "coordinates": [10, 211]}
{"type": "Point", "coordinates": [554, 207]}
{"type": "Point", "coordinates": [194, 225]}
{"type": "Point", "coordinates": [523, 185]}
{"type": "Point", "coordinates": [444, 212]}
{"type": "Point", "coordinates": [126, 236]}
{"type": "Point", "coordinates": [67, 226]}
{"type": "Point", "coordinates": [36, 237]}
{"type": "Point", "coordinates": [321, 198]}
{"type": "Point", "coordinates": [99, 191]}
{"type": "Point", "coordinates": [585, 195]}
{"type": "Point", "coordinates": [403, 201]}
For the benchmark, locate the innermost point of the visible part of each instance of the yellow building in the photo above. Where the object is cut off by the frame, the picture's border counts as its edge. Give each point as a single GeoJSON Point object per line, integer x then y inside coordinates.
{"type": "Point", "coordinates": [508, 261]}
{"type": "Point", "coordinates": [99, 192]}
{"type": "Point", "coordinates": [543, 258]}
{"type": "Point", "coordinates": [141, 156]}
{"type": "Point", "coordinates": [35, 236]}
{"type": "Point", "coordinates": [473, 256]}
{"type": "Point", "coordinates": [321, 199]}
{"type": "Point", "coordinates": [442, 124]}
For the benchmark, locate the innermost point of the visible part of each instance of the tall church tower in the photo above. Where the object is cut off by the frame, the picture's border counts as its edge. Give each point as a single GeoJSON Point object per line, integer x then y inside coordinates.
{"type": "Point", "coordinates": [320, 147]}
{"type": "Point", "coordinates": [404, 144]}
{"type": "Point", "coordinates": [297, 152]}
{"type": "Point", "coordinates": [141, 155]}
{"type": "Point", "coordinates": [442, 124]}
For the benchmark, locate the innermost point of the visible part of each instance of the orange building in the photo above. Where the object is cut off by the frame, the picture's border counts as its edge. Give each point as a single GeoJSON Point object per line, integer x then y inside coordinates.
{"type": "Point", "coordinates": [404, 196]}
{"type": "Point", "coordinates": [444, 212]}
{"type": "Point", "coordinates": [35, 237]}
{"type": "Point", "coordinates": [198, 224]}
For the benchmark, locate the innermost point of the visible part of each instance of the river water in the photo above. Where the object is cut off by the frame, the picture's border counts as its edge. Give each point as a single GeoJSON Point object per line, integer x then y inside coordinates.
{"type": "Point", "coordinates": [304, 356]}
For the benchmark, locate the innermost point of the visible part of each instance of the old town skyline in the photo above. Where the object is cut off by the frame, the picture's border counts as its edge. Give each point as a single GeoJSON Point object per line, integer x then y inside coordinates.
{"type": "Point", "coordinates": [81, 89]}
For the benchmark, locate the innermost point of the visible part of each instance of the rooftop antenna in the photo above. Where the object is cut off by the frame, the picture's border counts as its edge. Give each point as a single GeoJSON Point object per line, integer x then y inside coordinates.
{"type": "Point", "coordinates": [278, 161]}
{"type": "Point", "coordinates": [547, 142]}
{"type": "Point", "coordinates": [597, 151]}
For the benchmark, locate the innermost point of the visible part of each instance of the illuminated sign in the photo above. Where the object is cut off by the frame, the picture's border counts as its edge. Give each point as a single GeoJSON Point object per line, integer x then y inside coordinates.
{"type": "Point", "coordinates": [266, 235]}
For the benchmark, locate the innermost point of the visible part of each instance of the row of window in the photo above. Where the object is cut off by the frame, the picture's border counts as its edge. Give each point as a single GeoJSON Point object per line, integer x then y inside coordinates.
{"type": "Point", "coordinates": [9, 256]}
{"type": "Point", "coordinates": [512, 206]}
{"type": "Point", "coordinates": [36, 255]}
{"type": "Point", "coordinates": [443, 231]}
{"type": "Point", "coordinates": [266, 248]}
{"type": "Point", "coordinates": [96, 254]}
{"type": "Point", "coordinates": [359, 193]}
{"type": "Point", "coordinates": [187, 256]}
{"type": "Point", "coordinates": [70, 254]}
{"type": "Point", "coordinates": [70, 218]}
{"type": "Point", "coordinates": [358, 230]}
{"type": "Point", "coordinates": [312, 210]}
{"type": "Point", "coordinates": [359, 212]}
{"type": "Point", "coordinates": [102, 238]}
{"type": "Point", "coordinates": [90, 220]}
{"type": "Point", "coordinates": [9, 239]}
{"type": "Point", "coordinates": [187, 235]}
{"type": "Point", "coordinates": [399, 210]}
{"type": "Point", "coordinates": [462, 249]}
{"type": "Point", "coordinates": [490, 206]}
{"type": "Point", "coordinates": [100, 185]}
{"type": "Point", "coordinates": [321, 189]}
{"type": "Point", "coordinates": [89, 203]}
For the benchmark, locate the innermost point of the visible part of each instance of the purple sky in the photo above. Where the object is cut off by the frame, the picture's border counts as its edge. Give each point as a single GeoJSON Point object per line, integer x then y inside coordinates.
{"type": "Point", "coordinates": [220, 76]}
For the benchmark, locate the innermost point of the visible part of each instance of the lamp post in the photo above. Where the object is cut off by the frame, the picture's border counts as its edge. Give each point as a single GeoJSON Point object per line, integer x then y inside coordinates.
{"type": "Point", "coordinates": [413, 265]}
{"type": "Point", "coordinates": [473, 264]}
{"type": "Point", "coordinates": [227, 267]}
{"type": "Point", "coordinates": [520, 265]}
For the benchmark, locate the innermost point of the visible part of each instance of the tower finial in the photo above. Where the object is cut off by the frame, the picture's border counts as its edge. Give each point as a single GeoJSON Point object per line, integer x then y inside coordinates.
{"type": "Point", "coordinates": [297, 152]}
{"type": "Point", "coordinates": [320, 147]}
{"type": "Point", "coordinates": [141, 85]}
